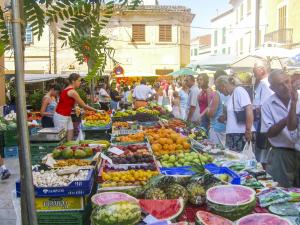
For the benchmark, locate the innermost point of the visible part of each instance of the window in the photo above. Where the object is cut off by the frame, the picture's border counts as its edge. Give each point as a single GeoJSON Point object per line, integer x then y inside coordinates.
{"type": "Point", "coordinates": [216, 38]}
{"type": "Point", "coordinates": [237, 16]}
{"type": "Point", "coordinates": [259, 38]}
{"type": "Point", "coordinates": [282, 17]}
{"type": "Point", "coordinates": [165, 33]}
{"type": "Point", "coordinates": [215, 52]}
{"type": "Point", "coordinates": [224, 35]}
{"type": "Point", "coordinates": [195, 52]}
{"type": "Point", "coordinates": [249, 7]}
{"type": "Point", "coordinates": [241, 46]}
{"type": "Point", "coordinates": [192, 52]}
{"type": "Point", "coordinates": [224, 51]}
{"type": "Point", "coordinates": [242, 12]}
{"type": "Point", "coordinates": [28, 35]}
{"type": "Point", "coordinates": [237, 47]}
{"type": "Point", "coordinates": [228, 51]}
{"type": "Point", "coordinates": [138, 33]}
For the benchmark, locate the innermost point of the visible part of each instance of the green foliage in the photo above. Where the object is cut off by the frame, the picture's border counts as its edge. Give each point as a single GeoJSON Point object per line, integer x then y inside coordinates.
{"type": "Point", "coordinates": [35, 99]}
{"type": "Point", "coordinates": [80, 25]}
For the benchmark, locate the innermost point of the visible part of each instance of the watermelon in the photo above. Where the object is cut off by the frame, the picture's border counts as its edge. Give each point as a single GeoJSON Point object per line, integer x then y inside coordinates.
{"type": "Point", "coordinates": [163, 209]}
{"type": "Point", "coordinates": [262, 219]}
{"type": "Point", "coordinates": [231, 201]}
{"type": "Point", "coordinates": [115, 208]}
{"type": "Point", "coordinates": [206, 218]}
{"type": "Point", "coordinates": [107, 198]}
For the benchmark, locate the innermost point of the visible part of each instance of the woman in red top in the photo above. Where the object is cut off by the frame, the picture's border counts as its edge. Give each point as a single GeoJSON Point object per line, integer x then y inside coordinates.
{"type": "Point", "coordinates": [68, 98]}
{"type": "Point", "coordinates": [204, 99]}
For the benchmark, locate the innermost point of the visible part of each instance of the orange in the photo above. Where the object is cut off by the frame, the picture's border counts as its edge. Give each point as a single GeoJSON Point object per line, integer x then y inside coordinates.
{"type": "Point", "coordinates": [162, 141]}
{"type": "Point", "coordinates": [166, 147]}
{"type": "Point", "coordinates": [186, 145]}
{"type": "Point", "coordinates": [169, 141]}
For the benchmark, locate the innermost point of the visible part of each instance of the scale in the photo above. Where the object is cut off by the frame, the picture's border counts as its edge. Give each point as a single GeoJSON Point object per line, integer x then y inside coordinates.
{"type": "Point", "coordinates": [54, 134]}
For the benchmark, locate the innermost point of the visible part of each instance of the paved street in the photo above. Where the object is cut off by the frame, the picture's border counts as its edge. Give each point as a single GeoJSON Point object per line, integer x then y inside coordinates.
{"type": "Point", "coordinates": [7, 212]}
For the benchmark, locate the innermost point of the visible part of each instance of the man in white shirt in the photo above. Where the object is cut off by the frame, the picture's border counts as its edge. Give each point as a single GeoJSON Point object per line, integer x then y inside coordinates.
{"type": "Point", "coordinates": [141, 94]}
{"type": "Point", "coordinates": [193, 110]}
{"type": "Point", "coordinates": [262, 92]}
{"type": "Point", "coordinates": [283, 159]}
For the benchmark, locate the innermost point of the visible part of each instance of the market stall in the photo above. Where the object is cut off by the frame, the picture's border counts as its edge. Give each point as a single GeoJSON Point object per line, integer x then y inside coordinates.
{"type": "Point", "coordinates": [154, 169]}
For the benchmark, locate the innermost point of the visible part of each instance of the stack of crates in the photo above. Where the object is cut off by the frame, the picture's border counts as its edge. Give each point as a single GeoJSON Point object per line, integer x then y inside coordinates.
{"type": "Point", "coordinates": [40, 149]}
{"type": "Point", "coordinates": [10, 143]}
{"type": "Point", "coordinates": [69, 205]}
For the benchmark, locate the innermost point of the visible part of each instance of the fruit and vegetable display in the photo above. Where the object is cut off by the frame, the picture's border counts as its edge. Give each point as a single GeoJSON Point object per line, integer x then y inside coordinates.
{"type": "Point", "coordinates": [175, 124]}
{"type": "Point", "coordinates": [262, 218]}
{"type": "Point", "coordinates": [57, 178]}
{"type": "Point", "coordinates": [71, 162]}
{"type": "Point", "coordinates": [207, 218]}
{"type": "Point", "coordinates": [236, 203]}
{"type": "Point", "coordinates": [93, 119]}
{"type": "Point", "coordinates": [165, 141]}
{"type": "Point", "coordinates": [148, 111]}
{"type": "Point", "coordinates": [120, 125]}
{"type": "Point", "coordinates": [127, 178]}
{"type": "Point", "coordinates": [132, 154]}
{"type": "Point", "coordinates": [126, 113]}
{"type": "Point", "coordinates": [168, 209]}
{"type": "Point", "coordinates": [113, 208]}
{"type": "Point", "coordinates": [184, 159]}
{"type": "Point", "coordinates": [131, 138]}
{"type": "Point", "coordinates": [199, 134]}
{"type": "Point", "coordinates": [74, 152]}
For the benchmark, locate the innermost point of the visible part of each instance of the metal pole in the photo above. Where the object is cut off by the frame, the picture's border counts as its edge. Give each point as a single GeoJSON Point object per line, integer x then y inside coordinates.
{"type": "Point", "coordinates": [257, 18]}
{"type": "Point", "coordinates": [27, 194]}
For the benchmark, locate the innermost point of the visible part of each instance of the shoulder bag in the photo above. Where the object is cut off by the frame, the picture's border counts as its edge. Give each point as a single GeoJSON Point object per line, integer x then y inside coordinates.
{"type": "Point", "coordinates": [239, 115]}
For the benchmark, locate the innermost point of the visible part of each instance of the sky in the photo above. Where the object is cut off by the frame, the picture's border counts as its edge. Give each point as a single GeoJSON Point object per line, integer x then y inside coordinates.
{"type": "Point", "coordinates": [204, 10]}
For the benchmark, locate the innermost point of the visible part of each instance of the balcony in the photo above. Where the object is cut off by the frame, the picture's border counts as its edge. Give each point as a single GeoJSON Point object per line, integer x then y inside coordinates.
{"type": "Point", "coordinates": [282, 36]}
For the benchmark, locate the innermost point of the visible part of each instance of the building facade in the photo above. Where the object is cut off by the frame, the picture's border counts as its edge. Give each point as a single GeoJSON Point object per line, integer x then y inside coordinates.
{"type": "Point", "coordinates": [151, 39]}
{"type": "Point", "coordinates": [200, 46]}
{"type": "Point", "coordinates": [234, 30]}
{"type": "Point", "coordinates": [283, 23]}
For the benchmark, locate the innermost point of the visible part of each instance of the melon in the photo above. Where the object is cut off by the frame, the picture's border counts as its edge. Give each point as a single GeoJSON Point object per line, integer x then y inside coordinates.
{"type": "Point", "coordinates": [206, 218]}
{"type": "Point", "coordinates": [115, 208]}
{"type": "Point", "coordinates": [263, 219]}
{"type": "Point", "coordinates": [107, 198]}
{"type": "Point", "coordinates": [231, 201]}
{"type": "Point", "coordinates": [163, 209]}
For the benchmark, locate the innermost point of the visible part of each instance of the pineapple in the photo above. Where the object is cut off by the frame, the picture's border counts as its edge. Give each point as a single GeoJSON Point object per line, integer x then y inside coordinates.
{"type": "Point", "coordinates": [196, 193]}
{"type": "Point", "coordinates": [155, 194]}
{"type": "Point", "coordinates": [175, 191]}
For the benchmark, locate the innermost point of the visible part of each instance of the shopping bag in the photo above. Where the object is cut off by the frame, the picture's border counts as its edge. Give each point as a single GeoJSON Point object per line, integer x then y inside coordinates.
{"type": "Point", "coordinates": [247, 152]}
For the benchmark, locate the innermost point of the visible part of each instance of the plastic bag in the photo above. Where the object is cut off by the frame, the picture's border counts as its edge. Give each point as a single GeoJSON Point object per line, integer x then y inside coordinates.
{"type": "Point", "coordinates": [247, 152]}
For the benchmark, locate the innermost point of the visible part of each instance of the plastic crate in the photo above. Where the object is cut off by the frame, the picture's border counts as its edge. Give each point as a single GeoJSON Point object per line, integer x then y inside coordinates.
{"type": "Point", "coordinates": [101, 128]}
{"type": "Point", "coordinates": [33, 130]}
{"type": "Point", "coordinates": [11, 151]}
{"type": "Point", "coordinates": [65, 218]}
{"type": "Point", "coordinates": [39, 150]}
{"type": "Point", "coordinates": [214, 169]}
{"type": "Point", "coordinates": [76, 188]}
{"type": "Point", "coordinates": [10, 138]}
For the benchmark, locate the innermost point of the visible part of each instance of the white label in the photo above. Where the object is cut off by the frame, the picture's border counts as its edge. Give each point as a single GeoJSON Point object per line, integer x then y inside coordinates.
{"type": "Point", "coordinates": [105, 157]}
{"type": "Point", "coordinates": [116, 151]}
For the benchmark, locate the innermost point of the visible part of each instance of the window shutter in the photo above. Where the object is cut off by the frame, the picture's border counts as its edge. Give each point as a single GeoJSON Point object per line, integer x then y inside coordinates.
{"type": "Point", "coordinates": [165, 33]}
{"type": "Point", "coordinates": [138, 33]}
{"type": "Point", "coordinates": [28, 35]}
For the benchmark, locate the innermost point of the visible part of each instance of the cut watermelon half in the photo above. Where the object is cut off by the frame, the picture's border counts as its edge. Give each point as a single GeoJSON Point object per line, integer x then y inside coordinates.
{"type": "Point", "coordinates": [163, 209]}
{"type": "Point", "coordinates": [263, 219]}
{"type": "Point", "coordinates": [107, 198]}
{"type": "Point", "coordinates": [206, 218]}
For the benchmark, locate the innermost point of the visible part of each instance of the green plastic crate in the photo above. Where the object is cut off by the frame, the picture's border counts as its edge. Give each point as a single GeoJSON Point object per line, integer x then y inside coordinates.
{"type": "Point", "coordinates": [39, 150]}
{"type": "Point", "coordinates": [97, 135]}
{"type": "Point", "coordinates": [10, 138]}
{"type": "Point", "coordinates": [64, 218]}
